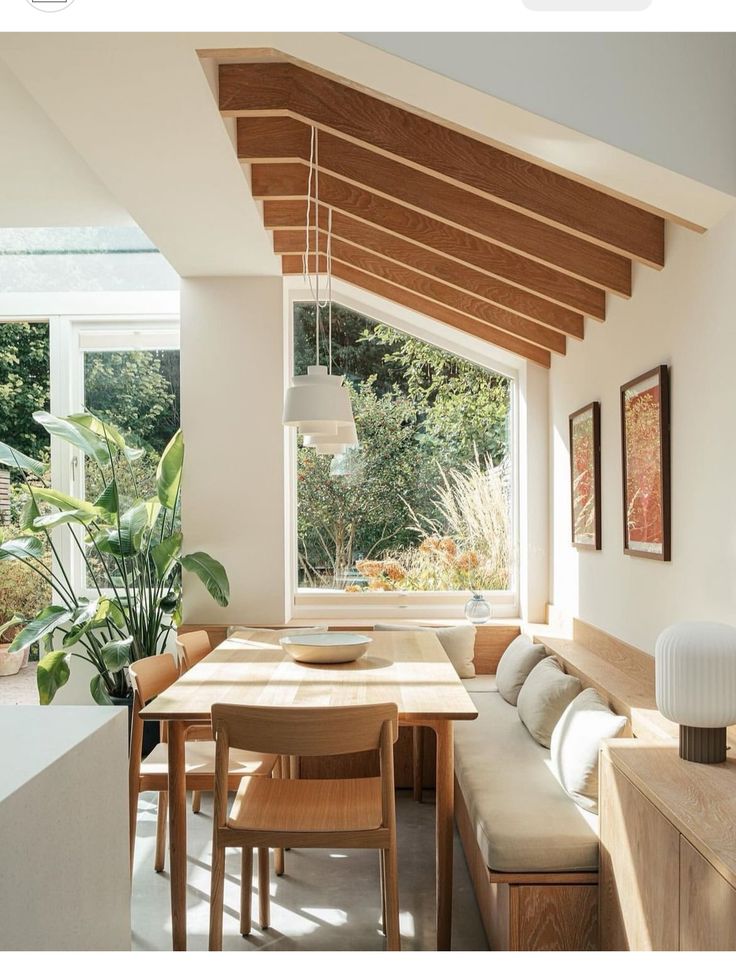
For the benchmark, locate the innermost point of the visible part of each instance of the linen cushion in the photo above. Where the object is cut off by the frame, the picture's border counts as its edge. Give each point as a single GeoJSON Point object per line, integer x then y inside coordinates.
{"type": "Point", "coordinates": [544, 696]}
{"type": "Point", "coordinates": [576, 742]}
{"type": "Point", "coordinates": [458, 642]}
{"type": "Point", "coordinates": [521, 816]}
{"type": "Point", "coordinates": [515, 664]}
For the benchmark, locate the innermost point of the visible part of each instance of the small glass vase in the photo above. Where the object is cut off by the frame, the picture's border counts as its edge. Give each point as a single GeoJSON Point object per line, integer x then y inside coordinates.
{"type": "Point", "coordinates": [477, 610]}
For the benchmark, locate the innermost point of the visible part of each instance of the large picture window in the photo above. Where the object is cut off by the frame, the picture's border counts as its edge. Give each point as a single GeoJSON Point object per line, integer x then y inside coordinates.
{"type": "Point", "coordinates": [424, 504]}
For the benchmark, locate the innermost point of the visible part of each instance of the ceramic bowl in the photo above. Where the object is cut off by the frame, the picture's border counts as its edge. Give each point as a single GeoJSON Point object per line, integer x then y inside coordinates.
{"type": "Point", "coordinates": [330, 648]}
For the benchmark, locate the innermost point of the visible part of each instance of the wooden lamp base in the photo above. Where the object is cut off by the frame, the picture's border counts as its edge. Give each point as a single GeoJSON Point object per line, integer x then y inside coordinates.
{"type": "Point", "coordinates": [704, 745]}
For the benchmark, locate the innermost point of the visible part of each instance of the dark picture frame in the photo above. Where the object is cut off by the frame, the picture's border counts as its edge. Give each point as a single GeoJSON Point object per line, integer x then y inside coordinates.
{"type": "Point", "coordinates": [585, 477]}
{"type": "Point", "coordinates": [645, 464]}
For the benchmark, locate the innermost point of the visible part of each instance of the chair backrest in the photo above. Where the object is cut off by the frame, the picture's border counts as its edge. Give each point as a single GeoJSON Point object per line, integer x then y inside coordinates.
{"type": "Point", "coordinates": [193, 647]}
{"type": "Point", "coordinates": [281, 730]}
{"type": "Point", "coordinates": [151, 676]}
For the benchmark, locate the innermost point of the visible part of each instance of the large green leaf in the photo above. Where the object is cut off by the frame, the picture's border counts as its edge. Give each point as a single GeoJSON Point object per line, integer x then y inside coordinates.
{"type": "Point", "coordinates": [51, 675]}
{"type": "Point", "coordinates": [109, 500]}
{"type": "Point", "coordinates": [14, 459]}
{"type": "Point", "coordinates": [75, 434]}
{"type": "Point", "coordinates": [125, 538]}
{"type": "Point", "coordinates": [47, 522]}
{"type": "Point", "coordinates": [168, 474]}
{"type": "Point", "coordinates": [98, 691]}
{"type": "Point", "coordinates": [24, 548]}
{"type": "Point", "coordinates": [13, 623]}
{"type": "Point", "coordinates": [108, 432]}
{"type": "Point", "coordinates": [211, 573]}
{"type": "Point", "coordinates": [116, 654]}
{"type": "Point", "coordinates": [43, 625]}
{"type": "Point", "coordinates": [166, 554]}
{"type": "Point", "coordinates": [29, 514]}
{"type": "Point", "coordinates": [65, 502]}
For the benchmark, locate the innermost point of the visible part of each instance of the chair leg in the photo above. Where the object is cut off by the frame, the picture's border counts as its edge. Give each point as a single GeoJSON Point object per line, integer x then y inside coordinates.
{"type": "Point", "coordinates": [196, 802]}
{"type": "Point", "coordinates": [162, 815]}
{"type": "Point", "coordinates": [264, 880]}
{"type": "Point", "coordinates": [278, 853]}
{"type": "Point", "coordinates": [392, 900]}
{"type": "Point", "coordinates": [278, 861]}
{"type": "Point", "coordinates": [246, 891]}
{"type": "Point", "coordinates": [417, 762]}
{"type": "Point", "coordinates": [382, 872]}
{"type": "Point", "coordinates": [217, 895]}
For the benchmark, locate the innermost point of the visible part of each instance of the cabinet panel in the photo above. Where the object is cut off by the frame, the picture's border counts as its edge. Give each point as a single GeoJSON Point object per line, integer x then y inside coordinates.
{"type": "Point", "coordinates": [707, 904]}
{"type": "Point", "coordinates": [639, 876]}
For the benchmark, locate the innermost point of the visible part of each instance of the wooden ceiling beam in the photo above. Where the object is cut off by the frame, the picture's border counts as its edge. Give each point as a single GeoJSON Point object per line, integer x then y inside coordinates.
{"type": "Point", "coordinates": [276, 88]}
{"type": "Point", "coordinates": [433, 265]}
{"type": "Point", "coordinates": [447, 296]}
{"type": "Point", "coordinates": [512, 271]}
{"type": "Point", "coordinates": [292, 264]}
{"type": "Point", "coordinates": [449, 204]}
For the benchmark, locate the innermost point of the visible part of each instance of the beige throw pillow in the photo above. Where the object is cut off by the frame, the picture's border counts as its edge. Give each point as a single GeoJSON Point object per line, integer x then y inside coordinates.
{"type": "Point", "coordinates": [543, 698]}
{"type": "Point", "coordinates": [458, 642]}
{"type": "Point", "coordinates": [515, 664]}
{"type": "Point", "coordinates": [576, 740]}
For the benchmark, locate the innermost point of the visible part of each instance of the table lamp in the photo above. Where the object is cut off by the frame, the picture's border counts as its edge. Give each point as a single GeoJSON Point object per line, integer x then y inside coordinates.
{"type": "Point", "coordinates": [695, 671]}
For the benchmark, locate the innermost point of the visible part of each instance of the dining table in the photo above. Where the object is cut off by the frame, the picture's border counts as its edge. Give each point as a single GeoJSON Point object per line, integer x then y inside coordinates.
{"type": "Point", "coordinates": [407, 668]}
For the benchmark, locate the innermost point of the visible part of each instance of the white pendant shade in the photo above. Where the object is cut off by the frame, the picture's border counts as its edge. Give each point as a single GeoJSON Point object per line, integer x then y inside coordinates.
{"type": "Point", "coordinates": [317, 402]}
{"type": "Point", "coordinates": [344, 436]}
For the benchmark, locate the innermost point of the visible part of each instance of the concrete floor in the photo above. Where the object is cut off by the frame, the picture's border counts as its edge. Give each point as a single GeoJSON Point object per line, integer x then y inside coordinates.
{"type": "Point", "coordinates": [20, 689]}
{"type": "Point", "coordinates": [326, 901]}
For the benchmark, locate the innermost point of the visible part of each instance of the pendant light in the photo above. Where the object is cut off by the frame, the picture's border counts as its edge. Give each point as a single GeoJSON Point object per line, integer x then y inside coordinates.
{"type": "Point", "coordinates": [318, 403]}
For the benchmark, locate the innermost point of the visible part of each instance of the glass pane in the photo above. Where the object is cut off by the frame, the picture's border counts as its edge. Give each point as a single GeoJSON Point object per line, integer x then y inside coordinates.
{"type": "Point", "coordinates": [82, 259]}
{"type": "Point", "coordinates": [139, 393]}
{"type": "Point", "coordinates": [424, 503]}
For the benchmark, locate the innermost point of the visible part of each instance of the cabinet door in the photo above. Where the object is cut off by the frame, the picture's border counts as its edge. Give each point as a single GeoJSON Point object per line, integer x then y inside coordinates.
{"type": "Point", "coordinates": [639, 878]}
{"type": "Point", "coordinates": [707, 905]}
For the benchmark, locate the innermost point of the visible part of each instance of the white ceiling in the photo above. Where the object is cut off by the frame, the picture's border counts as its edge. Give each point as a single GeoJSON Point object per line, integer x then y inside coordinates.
{"type": "Point", "coordinates": [45, 181]}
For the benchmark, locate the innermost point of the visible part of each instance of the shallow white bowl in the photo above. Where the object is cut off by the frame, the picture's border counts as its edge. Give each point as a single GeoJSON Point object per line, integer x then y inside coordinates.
{"type": "Point", "coordinates": [330, 648]}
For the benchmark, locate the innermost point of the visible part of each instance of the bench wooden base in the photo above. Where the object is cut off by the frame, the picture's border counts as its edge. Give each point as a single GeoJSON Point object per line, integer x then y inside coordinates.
{"type": "Point", "coordinates": [532, 912]}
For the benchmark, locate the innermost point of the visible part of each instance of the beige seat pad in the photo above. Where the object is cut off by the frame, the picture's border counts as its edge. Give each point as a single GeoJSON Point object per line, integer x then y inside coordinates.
{"type": "Point", "coordinates": [524, 821]}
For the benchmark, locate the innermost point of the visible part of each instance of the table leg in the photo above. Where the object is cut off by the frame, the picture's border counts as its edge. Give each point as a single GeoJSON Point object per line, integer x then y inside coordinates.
{"type": "Point", "coordinates": [445, 790]}
{"type": "Point", "coordinates": [178, 834]}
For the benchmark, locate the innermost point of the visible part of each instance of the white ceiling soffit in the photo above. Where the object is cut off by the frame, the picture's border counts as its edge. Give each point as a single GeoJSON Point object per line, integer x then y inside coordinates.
{"type": "Point", "coordinates": [138, 108]}
{"type": "Point", "coordinates": [45, 181]}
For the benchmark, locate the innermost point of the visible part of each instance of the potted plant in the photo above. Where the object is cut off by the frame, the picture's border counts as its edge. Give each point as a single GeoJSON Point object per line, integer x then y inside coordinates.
{"type": "Point", "coordinates": [131, 549]}
{"type": "Point", "coordinates": [11, 662]}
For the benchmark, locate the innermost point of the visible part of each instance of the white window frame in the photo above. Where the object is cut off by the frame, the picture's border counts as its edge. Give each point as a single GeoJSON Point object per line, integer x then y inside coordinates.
{"type": "Point", "coordinates": [71, 336]}
{"type": "Point", "coordinates": [313, 604]}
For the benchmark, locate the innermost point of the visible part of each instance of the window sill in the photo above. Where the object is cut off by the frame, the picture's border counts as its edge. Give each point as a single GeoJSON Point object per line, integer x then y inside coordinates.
{"type": "Point", "coordinates": [336, 607]}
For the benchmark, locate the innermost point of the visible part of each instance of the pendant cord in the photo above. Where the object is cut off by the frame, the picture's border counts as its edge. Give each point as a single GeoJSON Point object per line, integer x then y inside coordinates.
{"type": "Point", "coordinates": [329, 282]}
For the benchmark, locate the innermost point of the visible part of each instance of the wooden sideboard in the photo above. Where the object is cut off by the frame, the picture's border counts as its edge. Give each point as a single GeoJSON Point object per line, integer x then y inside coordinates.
{"type": "Point", "coordinates": [668, 850]}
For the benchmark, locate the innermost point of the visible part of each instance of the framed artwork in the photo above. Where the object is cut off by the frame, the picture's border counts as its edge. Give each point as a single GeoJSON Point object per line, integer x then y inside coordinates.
{"type": "Point", "coordinates": [585, 476]}
{"type": "Point", "coordinates": [645, 441]}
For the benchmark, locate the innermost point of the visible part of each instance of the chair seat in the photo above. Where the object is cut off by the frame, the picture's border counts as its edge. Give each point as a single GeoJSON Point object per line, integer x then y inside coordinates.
{"type": "Point", "coordinates": [307, 805]}
{"type": "Point", "coordinates": [200, 760]}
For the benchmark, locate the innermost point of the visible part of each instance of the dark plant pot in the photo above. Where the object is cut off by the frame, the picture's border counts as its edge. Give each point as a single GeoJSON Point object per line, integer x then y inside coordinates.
{"type": "Point", "coordinates": [151, 729]}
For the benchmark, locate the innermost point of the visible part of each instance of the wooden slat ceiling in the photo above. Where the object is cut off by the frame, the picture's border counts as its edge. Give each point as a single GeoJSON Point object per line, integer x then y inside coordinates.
{"type": "Point", "coordinates": [431, 217]}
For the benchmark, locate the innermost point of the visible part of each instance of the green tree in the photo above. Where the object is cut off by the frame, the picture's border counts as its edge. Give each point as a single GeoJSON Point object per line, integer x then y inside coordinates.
{"type": "Point", "coordinates": [138, 391]}
{"type": "Point", "coordinates": [24, 386]}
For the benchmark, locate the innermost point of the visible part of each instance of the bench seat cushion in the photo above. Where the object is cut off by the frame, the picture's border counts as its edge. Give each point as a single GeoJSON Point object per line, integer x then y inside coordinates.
{"type": "Point", "coordinates": [523, 819]}
{"type": "Point", "coordinates": [480, 683]}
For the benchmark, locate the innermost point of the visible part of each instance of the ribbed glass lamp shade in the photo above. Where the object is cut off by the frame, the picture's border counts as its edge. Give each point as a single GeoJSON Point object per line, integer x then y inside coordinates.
{"type": "Point", "coordinates": [317, 402]}
{"type": "Point", "coordinates": [695, 672]}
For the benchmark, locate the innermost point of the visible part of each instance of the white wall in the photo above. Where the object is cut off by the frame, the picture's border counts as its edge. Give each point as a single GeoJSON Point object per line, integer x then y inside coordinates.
{"type": "Point", "coordinates": [233, 493]}
{"type": "Point", "coordinates": [684, 317]}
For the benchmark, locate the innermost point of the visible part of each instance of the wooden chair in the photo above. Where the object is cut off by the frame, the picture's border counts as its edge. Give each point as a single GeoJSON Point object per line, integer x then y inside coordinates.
{"type": "Point", "coordinates": [190, 649]}
{"type": "Point", "coordinates": [149, 677]}
{"type": "Point", "coordinates": [309, 813]}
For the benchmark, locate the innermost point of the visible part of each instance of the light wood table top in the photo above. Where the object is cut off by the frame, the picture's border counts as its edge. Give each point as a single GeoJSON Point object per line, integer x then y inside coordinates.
{"type": "Point", "coordinates": [699, 800]}
{"type": "Point", "coordinates": [407, 668]}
